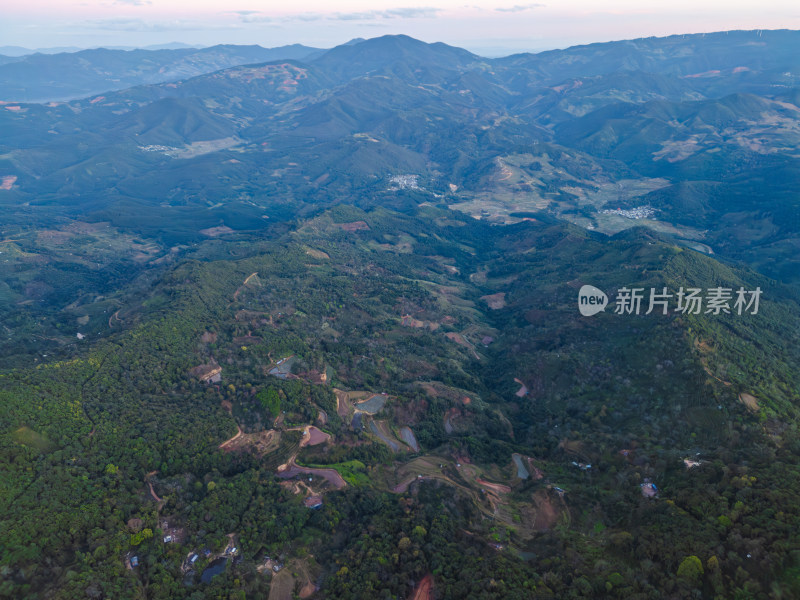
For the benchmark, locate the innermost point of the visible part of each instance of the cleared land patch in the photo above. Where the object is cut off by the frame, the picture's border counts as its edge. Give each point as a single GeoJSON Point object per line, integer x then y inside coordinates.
{"type": "Point", "coordinates": [749, 401]}
{"type": "Point", "coordinates": [317, 253]}
{"type": "Point", "coordinates": [373, 405]}
{"type": "Point", "coordinates": [258, 444]}
{"type": "Point", "coordinates": [495, 301]}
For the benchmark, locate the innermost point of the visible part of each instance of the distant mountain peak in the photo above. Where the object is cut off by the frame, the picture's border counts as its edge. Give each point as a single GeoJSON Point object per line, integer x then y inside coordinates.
{"type": "Point", "coordinates": [375, 54]}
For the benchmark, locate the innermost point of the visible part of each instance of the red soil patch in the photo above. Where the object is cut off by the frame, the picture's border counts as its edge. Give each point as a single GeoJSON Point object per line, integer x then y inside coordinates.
{"type": "Point", "coordinates": [258, 444]}
{"type": "Point", "coordinates": [313, 436]}
{"type": "Point", "coordinates": [330, 475]}
{"type": "Point", "coordinates": [429, 389]}
{"type": "Point", "coordinates": [315, 377]}
{"type": "Point", "coordinates": [712, 73]}
{"type": "Point", "coordinates": [749, 401]}
{"type": "Point", "coordinates": [523, 391]}
{"type": "Point", "coordinates": [216, 231]}
{"type": "Point", "coordinates": [244, 284]}
{"type": "Point", "coordinates": [312, 501]}
{"type": "Point", "coordinates": [112, 318]}
{"type": "Point", "coordinates": [459, 339]}
{"type": "Point", "coordinates": [13, 108]}
{"type": "Point", "coordinates": [424, 590]}
{"type": "Point", "coordinates": [307, 590]}
{"type": "Point", "coordinates": [207, 372]}
{"type": "Point", "coordinates": [351, 227]}
{"type": "Point", "coordinates": [437, 389]}
{"type": "Point", "coordinates": [160, 501]}
{"type": "Point", "coordinates": [153, 493]}
{"type": "Point", "coordinates": [495, 487]}
{"type": "Point", "coordinates": [535, 472]}
{"type": "Point", "coordinates": [546, 513]}
{"type": "Point", "coordinates": [227, 443]}
{"type": "Point", "coordinates": [568, 86]}
{"type": "Point", "coordinates": [409, 321]}
{"type": "Point", "coordinates": [317, 253]}
{"type": "Point", "coordinates": [96, 100]}
{"type": "Point", "coordinates": [495, 301]}
{"type": "Point", "coordinates": [208, 338]}
{"type": "Point", "coordinates": [343, 404]}
{"type": "Point", "coordinates": [402, 487]}
{"type": "Point", "coordinates": [7, 181]}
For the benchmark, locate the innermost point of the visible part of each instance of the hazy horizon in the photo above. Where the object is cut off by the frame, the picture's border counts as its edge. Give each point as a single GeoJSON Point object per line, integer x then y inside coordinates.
{"type": "Point", "coordinates": [488, 51]}
{"type": "Point", "coordinates": [491, 29]}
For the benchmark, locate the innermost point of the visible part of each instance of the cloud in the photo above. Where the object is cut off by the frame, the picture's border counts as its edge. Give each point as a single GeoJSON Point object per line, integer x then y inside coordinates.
{"type": "Point", "coordinates": [138, 25]}
{"type": "Point", "coordinates": [391, 13]}
{"type": "Point", "coordinates": [519, 7]}
{"type": "Point", "coordinates": [257, 16]}
{"type": "Point", "coordinates": [367, 15]}
{"type": "Point", "coordinates": [250, 16]}
{"type": "Point", "coordinates": [305, 17]}
{"type": "Point", "coordinates": [131, 2]}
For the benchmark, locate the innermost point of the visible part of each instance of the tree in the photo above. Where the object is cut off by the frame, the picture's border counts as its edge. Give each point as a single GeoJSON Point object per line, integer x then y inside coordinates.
{"type": "Point", "coordinates": [691, 569]}
{"type": "Point", "coordinates": [138, 538]}
{"type": "Point", "coordinates": [270, 401]}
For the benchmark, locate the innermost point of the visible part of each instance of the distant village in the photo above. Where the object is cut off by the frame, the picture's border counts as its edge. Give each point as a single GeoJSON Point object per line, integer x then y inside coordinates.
{"type": "Point", "coordinates": [638, 212]}
{"type": "Point", "coordinates": [404, 182]}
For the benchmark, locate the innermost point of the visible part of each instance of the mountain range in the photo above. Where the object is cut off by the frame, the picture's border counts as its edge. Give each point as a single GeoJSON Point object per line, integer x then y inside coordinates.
{"type": "Point", "coordinates": [709, 121]}
{"type": "Point", "coordinates": [43, 77]}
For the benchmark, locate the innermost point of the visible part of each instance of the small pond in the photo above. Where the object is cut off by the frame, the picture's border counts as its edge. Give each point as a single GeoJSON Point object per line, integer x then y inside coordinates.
{"type": "Point", "coordinates": [215, 567]}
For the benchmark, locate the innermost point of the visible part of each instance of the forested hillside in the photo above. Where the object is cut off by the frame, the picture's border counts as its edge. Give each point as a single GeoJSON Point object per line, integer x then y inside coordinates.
{"type": "Point", "coordinates": [367, 326]}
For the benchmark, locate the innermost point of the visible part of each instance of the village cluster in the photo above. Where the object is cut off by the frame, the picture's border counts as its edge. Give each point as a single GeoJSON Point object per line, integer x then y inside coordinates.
{"type": "Point", "coordinates": [638, 212]}
{"type": "Point", "coordinates": [405, 182]}
{"type": "Point", "coordinates": [166, 150]}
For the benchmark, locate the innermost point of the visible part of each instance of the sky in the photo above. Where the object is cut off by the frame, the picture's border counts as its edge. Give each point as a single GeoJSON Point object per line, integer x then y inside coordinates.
{"type": "Point", "coordinates": [490, 28]}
